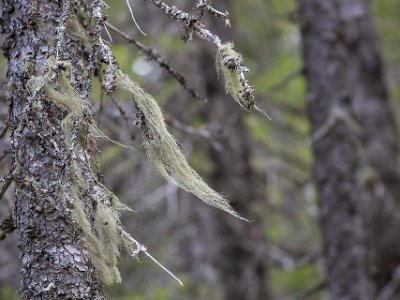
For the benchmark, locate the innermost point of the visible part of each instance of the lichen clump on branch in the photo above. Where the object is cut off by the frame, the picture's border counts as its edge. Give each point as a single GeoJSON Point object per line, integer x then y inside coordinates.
{"type": "Point", "coordinates": [229, 64]}
{"type": "Point", "coordinates": [163, 151]}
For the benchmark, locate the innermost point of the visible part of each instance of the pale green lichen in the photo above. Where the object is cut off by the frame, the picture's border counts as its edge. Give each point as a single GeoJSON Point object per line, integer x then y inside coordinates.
{"type": "Point", "coordinates": [163, 151]}
{"type": "Point", "coordinates": [76, 106]}
{"type": "Point", "coordinates": [226, 63]}
{"type": "Point", "coordinates": [229, 64]}
{"type": "Point", "coordinates": [103, 238]}
{"type": "Point", "coordinates": [59, 90]}
{"type": "Point", "coordinates": [106, 224]}
{"type": "Point", "coordinates": [108, 274]}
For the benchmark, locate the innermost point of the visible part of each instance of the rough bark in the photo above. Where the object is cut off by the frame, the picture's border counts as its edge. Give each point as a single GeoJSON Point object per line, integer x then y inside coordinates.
{"type": "Point", "coordinates": [354, 145]}
{"type": "Point", "coordinates": [53, 252]}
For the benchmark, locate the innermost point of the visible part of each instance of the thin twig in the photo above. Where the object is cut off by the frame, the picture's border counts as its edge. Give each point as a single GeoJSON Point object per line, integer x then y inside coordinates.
{"type": "Point", "coordinates": [133, 18]}
{"type": "Point", "coordinates": [140, 248]}
{"type": "Point", "coordinates": [153, 54]}
{"type": "Point", "coordinates": [193, 25]}
{"type": "Point", "coordinates": [205, 6]}
{"type": "Point", "coordinates": [123, 115]}
{"type": "Point", "coordinates": [191, 22]}
{"type": "Point", "coordinates": [196, 132]}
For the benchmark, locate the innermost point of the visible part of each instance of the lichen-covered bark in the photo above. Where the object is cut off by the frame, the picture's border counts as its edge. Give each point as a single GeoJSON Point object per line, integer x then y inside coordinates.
{"type": "Point", "coordinates": [54, 257]}
{"type": "Point", "coordinates": [354, 145]}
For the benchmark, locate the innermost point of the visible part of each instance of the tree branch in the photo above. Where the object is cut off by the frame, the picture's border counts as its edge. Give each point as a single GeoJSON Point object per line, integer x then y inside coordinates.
{"type": "Point", "coordinates": [153, 54]}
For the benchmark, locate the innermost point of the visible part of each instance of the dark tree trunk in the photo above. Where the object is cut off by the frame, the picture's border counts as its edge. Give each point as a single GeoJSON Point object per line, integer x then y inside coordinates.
{"type": "Point", "coordinates": [54, 257]}
{"type": "Point", "coordinates": [242, 260]}
{"type": "Point", "coordinates": [234, 250]}
{"type": "Point", "coordinates": [354, 145]}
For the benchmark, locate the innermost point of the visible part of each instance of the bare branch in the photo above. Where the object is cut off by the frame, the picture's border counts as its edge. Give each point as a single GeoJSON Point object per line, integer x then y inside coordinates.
{"type": "Point", "coordinates": [205, 6]}
{"type": "Point", "coordinates": [140, 248]}
{"type": "Point", "coordinates": [192, 24]}
{"type": "Point", "coordinates": [230, 59]}
{"type": "Point", "coordinates": [153, 54]}
{"type": "Point", "coordinates": [123, 115]}
{"type": "Point", "coordinates": [195, 132]}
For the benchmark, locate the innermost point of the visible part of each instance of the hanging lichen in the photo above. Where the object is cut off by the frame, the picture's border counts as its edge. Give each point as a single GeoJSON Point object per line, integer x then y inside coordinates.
{"type": "Point", "coordinates": [108, 274]}
{"type": "Point", "coordinates": [106, 224]}
{"type": "Point", "coordinates": [229, 64]}
{"type": "Point", "coordinates": [103, 238]}
{"type": "Point", "coordinates": [163, 151]}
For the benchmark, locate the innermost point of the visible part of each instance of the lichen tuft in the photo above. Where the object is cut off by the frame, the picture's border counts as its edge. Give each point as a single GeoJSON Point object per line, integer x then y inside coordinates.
{"type": "Point", "coordinates": [162, 149]}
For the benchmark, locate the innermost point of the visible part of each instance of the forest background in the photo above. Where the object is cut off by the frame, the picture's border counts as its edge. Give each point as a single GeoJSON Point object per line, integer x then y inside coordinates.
{"type": "Point", "coordinates": [262, 166]}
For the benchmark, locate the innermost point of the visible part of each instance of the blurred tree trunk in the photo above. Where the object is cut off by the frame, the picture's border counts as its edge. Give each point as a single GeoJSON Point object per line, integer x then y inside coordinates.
{"type": "Point", "coordinates": [229, 253]}
{"type": "Point", "coordinates": [54, 256]}
{"type": "Point", "coordinates": [354, 145]}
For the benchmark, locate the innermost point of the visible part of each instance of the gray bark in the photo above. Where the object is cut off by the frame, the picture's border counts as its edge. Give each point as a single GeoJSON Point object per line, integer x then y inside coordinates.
{"type": "Point", "coordinates": [54, 257]}
{"type": "Point", "coordinates": [354, 146]}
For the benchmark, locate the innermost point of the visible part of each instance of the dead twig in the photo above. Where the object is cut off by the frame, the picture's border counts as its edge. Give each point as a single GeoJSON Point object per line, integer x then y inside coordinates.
{"type": "Point", "coordinates": [205, 134]}
{"type": "Point", "coordinates": [205, 6]}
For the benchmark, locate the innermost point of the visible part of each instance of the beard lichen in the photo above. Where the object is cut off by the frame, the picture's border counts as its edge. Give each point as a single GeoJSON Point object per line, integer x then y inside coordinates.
{"type": "Point", "coordinates": [106, 274]}
{"type": "Point", "coordinates": [106, 225]}
{"type": "Point", "coordinates": [102, 236]}
{"type": "Point", "coordinates": [163, 151]}
{"type": "Point", "coordinates": [229, 64]}
{"type": "Point", "coordinates": [102, 229]}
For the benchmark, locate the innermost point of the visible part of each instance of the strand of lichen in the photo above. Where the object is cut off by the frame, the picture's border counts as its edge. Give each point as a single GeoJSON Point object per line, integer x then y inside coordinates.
{"type": "Point", "coordinates": [229, 64]}
{"type": "Point", "coordinates": [226, 62]}
{"type": "Point", "coordinates": [106, 224]}
{"type": "Point", "coordinates": [104, 244]}
{"type": "Point", "coordinates": [163, 151]}
{"type": "Point", "coordinates": [108, 274]}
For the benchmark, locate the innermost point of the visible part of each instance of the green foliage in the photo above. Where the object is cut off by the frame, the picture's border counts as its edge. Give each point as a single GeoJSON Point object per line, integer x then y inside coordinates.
{"type": "Point", "coordinates": [295, 279]}
{"type": "Point", "coordinates": [8, 293]}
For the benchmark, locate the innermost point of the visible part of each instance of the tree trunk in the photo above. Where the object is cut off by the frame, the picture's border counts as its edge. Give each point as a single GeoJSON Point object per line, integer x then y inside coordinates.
{"type": "Point", "coordinates": [54, 257]}
{"type": "Point", "coordinates": [354, 145]}
{"type": "Point", "coordinates": [229, 253]}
